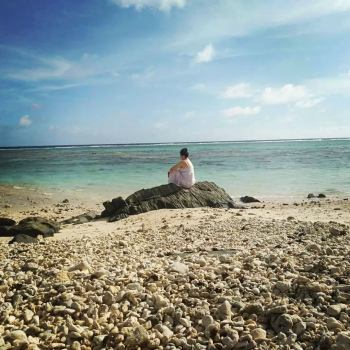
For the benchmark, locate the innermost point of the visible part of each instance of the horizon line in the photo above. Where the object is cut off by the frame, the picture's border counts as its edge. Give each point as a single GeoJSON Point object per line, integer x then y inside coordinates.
{"type": "Point", "coordinates": [176, 142]}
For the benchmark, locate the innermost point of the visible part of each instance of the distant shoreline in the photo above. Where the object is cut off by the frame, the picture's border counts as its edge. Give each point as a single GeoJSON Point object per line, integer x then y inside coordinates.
{"type": "Point", "coordinates": [143, 144]}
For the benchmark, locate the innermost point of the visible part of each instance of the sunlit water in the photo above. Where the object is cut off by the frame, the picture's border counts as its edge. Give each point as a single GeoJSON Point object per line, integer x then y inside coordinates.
{"type": "Point", "coordinates": [280, 169]}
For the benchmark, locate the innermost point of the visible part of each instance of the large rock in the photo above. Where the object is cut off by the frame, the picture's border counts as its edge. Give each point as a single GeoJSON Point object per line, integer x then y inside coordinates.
{"type": "Point", "coordinates": [5, 226]}
{"type": "Point", "coordinates": [171, 196]}
{"type": "Point", "coordinates": [5, 231]}
{"type": "Point", "coordinates": [21, 238]}
{"type": "Point", "coordinates": [35, 226]}
{"type": "Point", "coordinates": [7, 222]}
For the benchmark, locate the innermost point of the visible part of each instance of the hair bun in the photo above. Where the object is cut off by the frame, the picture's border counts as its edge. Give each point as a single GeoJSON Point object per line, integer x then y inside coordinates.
{"type": "Point", "coordinates": [184, 152]}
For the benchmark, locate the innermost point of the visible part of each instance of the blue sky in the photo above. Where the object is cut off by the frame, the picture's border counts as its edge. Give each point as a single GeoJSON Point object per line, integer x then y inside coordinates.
{"type": "Point", "coordinates": [125, 71]}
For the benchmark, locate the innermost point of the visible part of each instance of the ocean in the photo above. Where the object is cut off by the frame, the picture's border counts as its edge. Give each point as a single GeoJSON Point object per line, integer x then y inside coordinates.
{"type": "Point", "coordinates": [273, 170]}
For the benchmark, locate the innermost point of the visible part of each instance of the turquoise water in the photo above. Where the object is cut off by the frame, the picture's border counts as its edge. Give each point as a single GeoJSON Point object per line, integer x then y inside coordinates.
{"type": "Point", "coordinates": [264, 169]}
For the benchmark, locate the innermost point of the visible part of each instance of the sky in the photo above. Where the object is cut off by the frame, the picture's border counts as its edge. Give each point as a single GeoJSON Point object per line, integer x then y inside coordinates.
{"type": "Point", "coordinates": [135, 71]}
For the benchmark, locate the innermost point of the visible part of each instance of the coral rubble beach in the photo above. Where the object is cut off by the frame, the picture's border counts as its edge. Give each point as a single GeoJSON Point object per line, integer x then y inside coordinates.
{"type": "Point", "coordinates": [273, 276]}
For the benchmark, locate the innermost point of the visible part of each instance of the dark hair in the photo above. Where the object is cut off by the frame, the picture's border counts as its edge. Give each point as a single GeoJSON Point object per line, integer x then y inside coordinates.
{"type": "Point", "coordinates": [184, 152]}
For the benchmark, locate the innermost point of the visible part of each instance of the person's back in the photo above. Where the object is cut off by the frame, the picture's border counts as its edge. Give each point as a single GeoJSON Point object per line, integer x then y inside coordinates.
{"type": "Point", "coordinates": [182, 174]}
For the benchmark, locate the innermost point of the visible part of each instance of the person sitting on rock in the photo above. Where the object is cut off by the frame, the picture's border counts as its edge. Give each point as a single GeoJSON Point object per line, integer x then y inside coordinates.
{"type": "Point", "coordinates": [182, 174]}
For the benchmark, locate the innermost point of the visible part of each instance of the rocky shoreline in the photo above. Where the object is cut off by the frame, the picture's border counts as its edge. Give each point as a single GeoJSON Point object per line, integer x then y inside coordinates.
{"type": "Point", "coordinates": [266, 277]}
{"type": "Point", "coordinates": [238, 283]}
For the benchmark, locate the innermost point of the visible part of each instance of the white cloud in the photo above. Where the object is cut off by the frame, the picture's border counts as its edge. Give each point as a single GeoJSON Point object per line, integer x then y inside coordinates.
{"type": "Point", "coordinates": [309, 103]}
{"type": "Point", "coordinates": [163, 5]}
{"type": "Point", "coordinates": [238, 91]}
{"type": "Point", "coordinates": [228, 18]}
{"type": "Point", "coordinates": [330, 86]}
{"type": "Point", "coordinates": [286, 94]}
{"type": "Point", "coordinates": [56, 68]}
{"type": "Point", "coordinates": [240, 111]}
{"type": "Point", "coordinates": [206, 55]}
{"type": "Point", "coordinates": [147, 74]}
{"type": "Point", "coordinates": [57, 87]}
{"type": "Point", "coordinates": [25, 121]}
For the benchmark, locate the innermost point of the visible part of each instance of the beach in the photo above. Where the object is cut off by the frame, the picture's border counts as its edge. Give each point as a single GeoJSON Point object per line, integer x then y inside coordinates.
{"type": "Point", "coordinates": [175, 175]}
{"type": "Point", "coordinates": [19, 203]}
{"type": "Point", "coordinates": [265, 275]}
{"type": "Point", "coordinates": [271, 276]}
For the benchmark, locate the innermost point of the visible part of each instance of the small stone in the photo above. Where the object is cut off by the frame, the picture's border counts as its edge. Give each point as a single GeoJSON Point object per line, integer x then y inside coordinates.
{"type": "Point", "coordinates": [137, 337]}
{"type": "Point", "coordinates": [258, 333]}
{"type": "Point", "coordinates": [108, 298]}
{"type": "Point", "coordinates": [201, 261]}
{"type": "Point", "coordinates": [207, 320]}
{"type": "Point", "coordinates": [28, 315]}
{"type": "Point", "coordinates": [224, 311]}
{"type": "Point", "coordinates": [185, 322]}
{"type": "Point", "coordinates": [134, 286]}
{"type": "Point", "coordinates": [179, 268]}
{"type": "Point", "coordinates": [254, 308]}
{"type": "Point", "coordinates": [299, 328]}
{"type": "Point", "coordinates": [283, 286]}
{"type": "Point", "coordinates": [164, 330]}
{"type": "Point", "coordinates": [225, 259]}
{"type": "Point", "coordinates": [31, 265]}
{"type": "Point", "coordinates": [334, 310]}
{"type": "Point", "coordinates": [76, 345]}
{"type": "Point", "coordinates": [283, 323]}
{"type": "Point", "coordinates": [18, 335]}
{"type": "Point", "coordinates": [81, 266]}
{"type": "Point", "coordinates": [332, 323]}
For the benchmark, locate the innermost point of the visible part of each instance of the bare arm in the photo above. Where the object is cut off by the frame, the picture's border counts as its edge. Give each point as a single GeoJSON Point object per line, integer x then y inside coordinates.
{"type": "Point", "coordinates": [177, 166]}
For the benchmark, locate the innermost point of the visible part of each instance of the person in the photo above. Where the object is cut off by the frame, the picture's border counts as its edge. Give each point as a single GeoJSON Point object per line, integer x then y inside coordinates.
{"type": "Point", "coordinates": [182, 174]}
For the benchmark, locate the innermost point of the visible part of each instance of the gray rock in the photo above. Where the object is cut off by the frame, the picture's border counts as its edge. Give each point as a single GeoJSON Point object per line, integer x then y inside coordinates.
{"type": "Point", "coordinates": [22, 238]}
{"type": "Point", "coordinates": [7, 222]}
{"type": "Point", "coordinates": [115, 205]}
{"type": "Point", "coordinates": [258, 333]}
{"type": "Point", "coordinates": [254, 308]}
{"type": "Point", "coordinates": [278, 309]}
{"type": "Point", "coordinates": [248, 199]}
{"type": "Point", "coordinates": [137, 337]}
{"type": "Point", "coordinates": [179, 268]}
{"type": "Point", "coordinates": [334, 310]}
{"type": "Point", "coordinates": [343, 341]}
{"type": "Point", "coordinates": [299, 328]}
{"type": "Point", "coordinates": [283, 323]}
{"type": "Point", "coordinates": [202, 194]}
{"type": "Point", "coordinates": [224, 311]}
{"type": "Point", "coordinates": [207, 320]}
{"type": "Point", "coordinates": [18, 335]}
{"type": "Point", "coordinates": [283, 286]}
{"type": "Point", "coordinates": [166, 332]}
{"type": "Point", "coordinates": [5, 231]}
{"type": "Point", "coordinates": [108, 298]}
{"type": "Point", "coordinates": [34, 226]}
